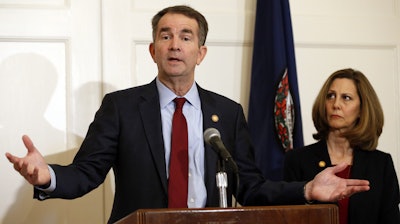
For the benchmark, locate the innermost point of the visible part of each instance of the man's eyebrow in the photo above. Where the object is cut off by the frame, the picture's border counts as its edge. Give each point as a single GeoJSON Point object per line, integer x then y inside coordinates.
{"type": "Point", "coordinates": [168, 29]}
{"type": "Point", "coordinates": [165, 29]}
{"type": "Point", "coordinates": [187, 31]}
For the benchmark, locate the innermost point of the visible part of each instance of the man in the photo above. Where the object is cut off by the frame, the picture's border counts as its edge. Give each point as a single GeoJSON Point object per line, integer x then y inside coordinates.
{"type": "Point", "coordinates": [131, 133]}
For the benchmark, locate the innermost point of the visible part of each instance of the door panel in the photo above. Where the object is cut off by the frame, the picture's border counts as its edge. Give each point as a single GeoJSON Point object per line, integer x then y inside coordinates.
{"type": "Point", "coordinates": [50, 87]}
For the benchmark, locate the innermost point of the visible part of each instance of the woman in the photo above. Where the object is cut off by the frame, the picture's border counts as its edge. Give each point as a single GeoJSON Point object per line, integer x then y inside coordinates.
{"type": "Point", "coordinates": [348, 118]}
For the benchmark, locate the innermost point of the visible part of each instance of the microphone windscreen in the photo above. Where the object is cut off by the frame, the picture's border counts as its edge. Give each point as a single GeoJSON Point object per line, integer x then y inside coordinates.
{"type": "Point", "coordinates": [209, 133]}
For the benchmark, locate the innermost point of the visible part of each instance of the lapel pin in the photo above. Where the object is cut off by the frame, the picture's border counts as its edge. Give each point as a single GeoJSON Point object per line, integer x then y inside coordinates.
{"type": "Point", "coordinates": [215, 118]}
{"type": "Point", "coordinates": [321, 164]}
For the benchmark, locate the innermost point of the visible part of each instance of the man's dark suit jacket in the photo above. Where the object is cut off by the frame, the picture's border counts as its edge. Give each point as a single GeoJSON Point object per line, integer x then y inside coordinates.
{"type": "Point", "coordinates": [126, 135]}
{"type": "Point", "coordinates": [378, 205]}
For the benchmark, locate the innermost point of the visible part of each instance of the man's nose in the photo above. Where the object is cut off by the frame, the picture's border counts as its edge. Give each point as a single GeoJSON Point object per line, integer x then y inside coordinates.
{"type": "Point", "coordinates": [175, 44]}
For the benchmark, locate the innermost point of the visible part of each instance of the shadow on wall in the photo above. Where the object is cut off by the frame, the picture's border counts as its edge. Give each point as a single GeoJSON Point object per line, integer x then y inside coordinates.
{"type": "Point", "coordinates": [25, 209]}
{"type": "Point", "coordinates": [27, 83]}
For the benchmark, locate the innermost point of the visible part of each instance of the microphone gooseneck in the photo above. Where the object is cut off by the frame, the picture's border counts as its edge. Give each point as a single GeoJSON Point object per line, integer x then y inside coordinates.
{"type": "Point", "coordinates": [213, 138]}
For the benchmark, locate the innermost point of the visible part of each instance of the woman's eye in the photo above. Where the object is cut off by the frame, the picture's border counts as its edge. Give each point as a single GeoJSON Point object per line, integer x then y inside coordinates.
{"type": "Point", "coordinates": [330, 96]}
{"type": "Point", "coordinates": [347, 98]}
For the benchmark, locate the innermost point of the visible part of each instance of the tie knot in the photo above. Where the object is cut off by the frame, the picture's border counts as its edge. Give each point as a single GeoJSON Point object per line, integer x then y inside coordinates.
{"type": "Point", "coordinates": [179, 102]}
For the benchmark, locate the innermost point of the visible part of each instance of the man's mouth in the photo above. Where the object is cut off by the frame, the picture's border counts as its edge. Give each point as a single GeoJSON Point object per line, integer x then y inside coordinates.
{"type": "Point", "coordinates": [174, 59]}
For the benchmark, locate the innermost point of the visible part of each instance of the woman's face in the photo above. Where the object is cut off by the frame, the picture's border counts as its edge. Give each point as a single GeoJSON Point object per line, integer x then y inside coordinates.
{"type": "Point", "coordinates": [342, 104]}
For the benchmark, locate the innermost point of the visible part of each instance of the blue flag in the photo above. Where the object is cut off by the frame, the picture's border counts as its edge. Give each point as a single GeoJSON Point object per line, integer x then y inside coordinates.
{"type": "Point", "coordinates": [274, 108]}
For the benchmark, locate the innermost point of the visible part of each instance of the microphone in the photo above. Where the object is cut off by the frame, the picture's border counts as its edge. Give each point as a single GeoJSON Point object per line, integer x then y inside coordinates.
{"type": "Point", "coordinates": [213, 138]}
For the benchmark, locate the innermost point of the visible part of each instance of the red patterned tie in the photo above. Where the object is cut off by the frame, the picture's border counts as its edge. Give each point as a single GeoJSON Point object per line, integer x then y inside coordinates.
{"type": "Point", "coordinates": [178, 163]}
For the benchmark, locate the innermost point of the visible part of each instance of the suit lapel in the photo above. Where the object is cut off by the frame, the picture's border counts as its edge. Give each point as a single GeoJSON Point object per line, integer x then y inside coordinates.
{"type": "Point", "coordinates": [321, 154]}
{"type": "Point", "coordinates": [359, 170]}
{"type": "Point", "coordinates": [151, 116]}
{"type": "Point", "coordinates": [360, 164]}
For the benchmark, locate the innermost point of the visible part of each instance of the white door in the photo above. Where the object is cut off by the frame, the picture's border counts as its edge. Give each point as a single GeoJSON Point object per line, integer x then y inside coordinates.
{"type": "Point", "coordinates": [50, 87]}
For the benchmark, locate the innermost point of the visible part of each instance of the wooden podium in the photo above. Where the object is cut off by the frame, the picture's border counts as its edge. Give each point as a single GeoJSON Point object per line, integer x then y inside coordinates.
{"type": "Point", "coordinates": [287, 214]}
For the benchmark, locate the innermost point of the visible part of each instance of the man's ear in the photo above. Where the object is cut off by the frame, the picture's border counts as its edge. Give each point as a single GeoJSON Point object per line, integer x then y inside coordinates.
{"type": "Point", "coordinates": [152, 51]}
{"type": "Point", "coordinates": [202, 53]}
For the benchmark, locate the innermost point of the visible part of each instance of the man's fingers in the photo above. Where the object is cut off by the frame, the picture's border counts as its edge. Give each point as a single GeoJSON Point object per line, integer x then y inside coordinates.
{"type": "Point", "coordinates": [17, 167]}
{"type": "Point", "coordinates": [29, 146]}
{"type": "Point", "coordinates": [28, 143]}
{"type": "Point", "coordinates": [350, 190]}
{"type": "Point", "coordinates": [356, 183]}
{"type": "Point", "coordinates": [11, 157]}
{"type": "Point", "coordinates": [357, 189]}
{"type": "Point", "coordinates": [32, 176]}
{"type": "Point", "coordinates": [23, 169]}
{"type": "Point", "coordinates": [32, 167]}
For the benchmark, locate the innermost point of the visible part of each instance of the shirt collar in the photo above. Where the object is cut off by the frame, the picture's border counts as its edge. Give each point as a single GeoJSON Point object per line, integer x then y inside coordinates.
{"type": "Point", "coordinates": [166, 95]}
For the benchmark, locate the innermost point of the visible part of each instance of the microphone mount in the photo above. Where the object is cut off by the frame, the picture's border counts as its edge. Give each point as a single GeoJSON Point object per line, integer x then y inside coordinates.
{"type": "Point", "coordinates": [213, 138]}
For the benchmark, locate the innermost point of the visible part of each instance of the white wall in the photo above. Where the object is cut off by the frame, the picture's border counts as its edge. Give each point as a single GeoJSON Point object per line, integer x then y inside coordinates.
{"type": "Point", "coordinates": [59, 57]}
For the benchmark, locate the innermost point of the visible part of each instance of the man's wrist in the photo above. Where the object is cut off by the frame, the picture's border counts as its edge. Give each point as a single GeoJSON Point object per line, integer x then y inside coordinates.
{"type": "Point", "coordinates": [51, 186]}
{"type": "Point", "coordinates": [306, 193]}
{"type": "Point", "coordinates": [45, 186]}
